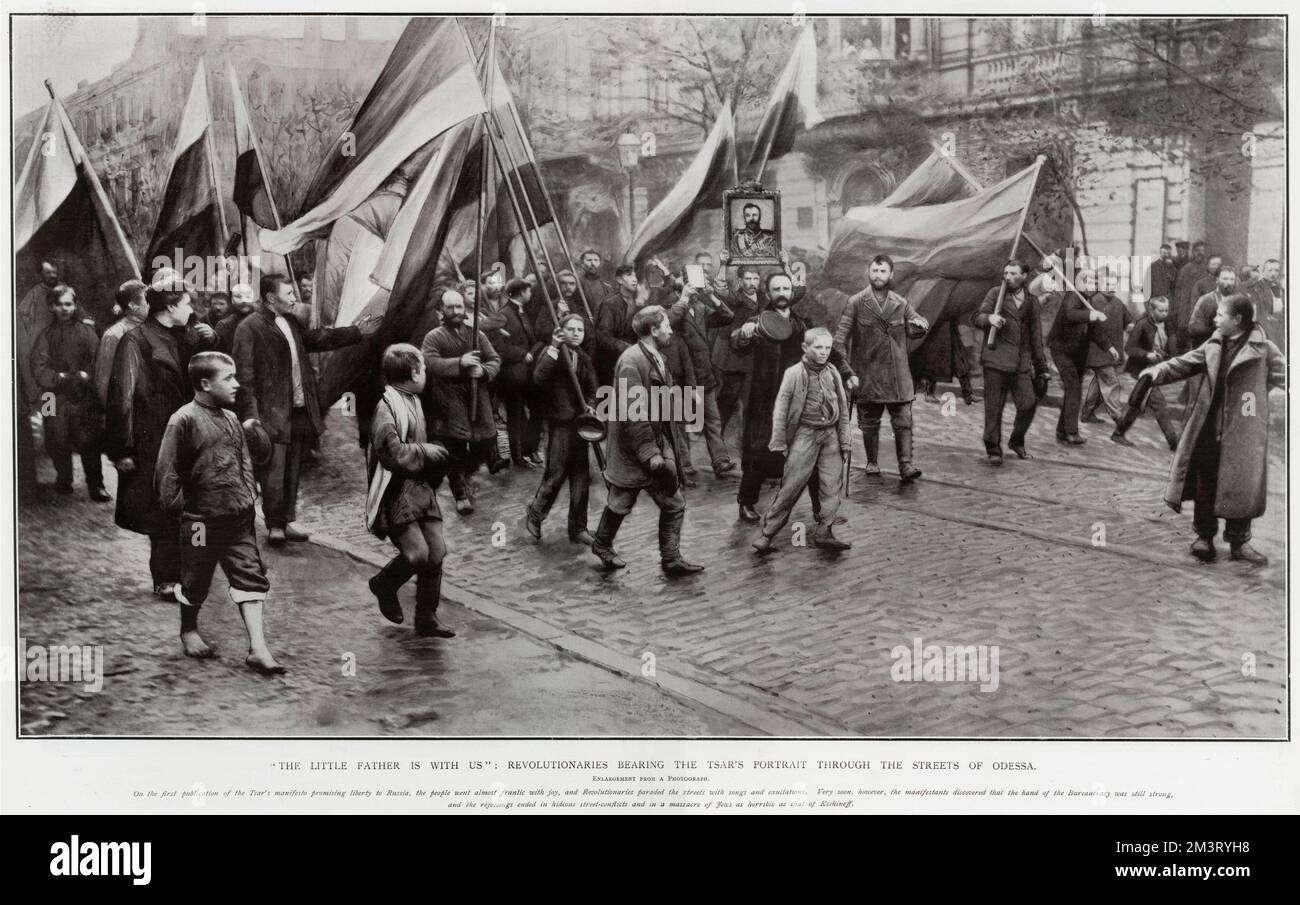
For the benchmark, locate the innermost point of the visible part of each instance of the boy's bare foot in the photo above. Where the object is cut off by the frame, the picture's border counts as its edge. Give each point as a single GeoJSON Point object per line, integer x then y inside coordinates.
{"type": "Point", "coordinates": [263, 662]}
{"type": "Point", "coordinates": [195, 646]}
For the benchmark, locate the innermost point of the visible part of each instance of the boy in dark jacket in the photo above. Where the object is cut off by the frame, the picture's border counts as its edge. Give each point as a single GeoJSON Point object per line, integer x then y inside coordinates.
{"type": "Point", "coordinates": [63, 361]}
{"type": "Point", "coordinates": [401, 503]}
{"type": "Point", "coordinates": [204, 478]}
{"type": "Point", "coordinates": [559, 403]}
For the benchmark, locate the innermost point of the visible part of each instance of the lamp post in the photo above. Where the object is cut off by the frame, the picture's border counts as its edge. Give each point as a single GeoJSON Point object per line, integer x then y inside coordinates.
{"type": "Point", "coordinates": [629, 154]}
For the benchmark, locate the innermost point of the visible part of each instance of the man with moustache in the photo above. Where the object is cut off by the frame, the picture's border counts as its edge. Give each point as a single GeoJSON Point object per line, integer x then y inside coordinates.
{"type": "Point", "coordinates": [752, 241]}
{"type": "Point", "coordinates": [460, 362]}
{"type": "Point", "coordinates": [242, 303]}
{"type": "Point", "coordinates": [1201, 324]}
{"type": "Point", "coordinates": [567, 301]}
{"type": "Point", "coordinates": [277, 387]}
{"type": "Point", "coordinates": [1269, 297]}
{"type": "Point", "coordinates": [871, 339]}
{"type": "Point", "coordinates": [613, 325]}
{"type": "Point", "coordinates": [1150, 344]}
{"type": "Point", "coordinates": [592, 278]}
{"type": "Point", "coordinates": [1008, 366]}
{"type": "Point", "coordinates": [517, 345]}
{"type": "Point", "coordinates": [1162, 274]}
{"type": "Point", "coordinates": [1185, 294]}
{"type": "Point", "coordinates": [1068, 343]}
{"type": "Point", "coordinates": [697, 313]}
{"type": "Point", "coordinates": [639, 449]}
{"type": "Point", "coordinates": [1105, 350]}
{"type": "Point", "coordinates": [769, 359]}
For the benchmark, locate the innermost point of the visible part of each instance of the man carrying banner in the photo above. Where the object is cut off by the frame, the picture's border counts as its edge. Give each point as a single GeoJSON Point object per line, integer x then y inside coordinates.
{"type": "Point", "coordinates": [1015, 355]}
{"type": "Point", "coordinates": [871, 340]}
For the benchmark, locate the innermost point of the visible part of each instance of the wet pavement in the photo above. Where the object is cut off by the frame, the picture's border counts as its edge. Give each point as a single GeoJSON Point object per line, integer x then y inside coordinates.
{"type": "Point", "coordinates": [1069, 565]}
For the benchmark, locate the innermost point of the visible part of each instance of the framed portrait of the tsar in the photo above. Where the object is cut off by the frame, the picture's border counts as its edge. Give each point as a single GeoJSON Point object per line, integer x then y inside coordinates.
{"type": "Point", "coordinates": [751, 222]}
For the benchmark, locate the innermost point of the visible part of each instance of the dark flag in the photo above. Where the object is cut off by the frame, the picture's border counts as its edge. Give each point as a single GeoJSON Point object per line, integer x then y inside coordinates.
{"type": "Point", "coordinates": [62, 215]}
{"type": "Point", "coordinates": [191, 218]}
{"type": "Point", "coordinates": [252, 190]}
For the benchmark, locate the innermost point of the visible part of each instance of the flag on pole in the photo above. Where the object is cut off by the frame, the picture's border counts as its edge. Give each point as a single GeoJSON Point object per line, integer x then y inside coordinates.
{"type": "Point", "coordinates": [427, 86]}
{"type": "Point", "coordinates": [700, 187]}
{"type": "Point", "coordinates": [61, 214]}
{"type": "Point", "coordinates": [968, 238]}
{"type": "Point", "coordinates": [252, 195]}
{"type": "Point", "coordinates": [190, 217]}
{"type": "Point", "coordinates": [793, 103]}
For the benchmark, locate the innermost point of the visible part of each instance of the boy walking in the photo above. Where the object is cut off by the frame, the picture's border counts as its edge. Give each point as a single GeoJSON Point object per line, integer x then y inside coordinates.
{"type": "Point", "coordinates": [204, 478]}
{"type": "Point", "coordinates": [559, 403]}
{"type": "Point", "coordinates": [810, 424]}
{"type": "Point", "coordinates": [401, 504]}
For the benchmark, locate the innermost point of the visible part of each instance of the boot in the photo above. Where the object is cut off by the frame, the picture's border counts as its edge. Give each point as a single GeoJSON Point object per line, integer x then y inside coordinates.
{"type": "Point", "coordinates": [603, 543]}
{"type": "Point", "coordinates": [967, 391]}
{"type": "Point", "coordinates": [871, 442]}
{"type": "Point", "coordinates": [823, 538]}
{"type": "Point", "coordinates": [384, 586]}
{"type": "Point", "coordinates": [670, 541]}
{"type": "Point", "coordinates": [428, 593]}
{"type": "Point", "coordinates": [903, 446]}
{"type": "Point", "coordinates": [1246, 553]}
{"type": "Point", "coordinates": [1203, 549]}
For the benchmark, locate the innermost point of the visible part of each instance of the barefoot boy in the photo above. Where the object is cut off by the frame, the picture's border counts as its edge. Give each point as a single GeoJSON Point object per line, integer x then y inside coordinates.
{"type": "Point", "coordinates": [204, 477]}
{"type": "Point", "coordinates": [401, 504]}
{"type": "Point", "coordinates": [810, 424]}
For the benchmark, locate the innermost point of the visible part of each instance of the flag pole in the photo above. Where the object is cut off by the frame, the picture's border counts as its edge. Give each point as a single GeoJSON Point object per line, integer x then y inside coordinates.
{"type": "Point", "coordinates": [974, 183]}
{"type": "Point", "coordinates": [212, 158]}
{"type": "Point", "coordinates": [1015, 244]}
{"type": "Point", "coordinates": [482, 204]}
{"type": "Point", "coordinates": [550, 209]}
{"type": "Point", "coordinates": [70, 136]}
{"type": "Point", "coordinates": [532, 256]}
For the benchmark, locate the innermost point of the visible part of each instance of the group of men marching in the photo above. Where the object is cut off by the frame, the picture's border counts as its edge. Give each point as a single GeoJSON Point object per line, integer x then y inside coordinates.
{"type": "Point", "coordinates": [200, 413]}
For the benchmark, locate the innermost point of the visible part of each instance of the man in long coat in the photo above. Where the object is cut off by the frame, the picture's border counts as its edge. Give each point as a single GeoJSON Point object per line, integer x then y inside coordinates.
{"type": "Point", "coordinates": [1222, 458]}
{"type": "Point", "coordinates": [460, 363]}
{"type": "Point", "coordinates": [871, 339]}
{"type": "Point", "coordinates": [150, 382]}
{"type": "Point", "coordinates": [768, 361]}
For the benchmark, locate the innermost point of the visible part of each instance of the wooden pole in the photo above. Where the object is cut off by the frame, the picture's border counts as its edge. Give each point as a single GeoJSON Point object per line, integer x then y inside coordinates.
{"type": "Point", "coordinates": [974, 183]}
{"type": "Point", "coordinates": [1015, 245]}
{"type": "Point", "coordinates": [550, 209]}
{"type": "Point", "coordinates": [517, 210]}
{"type": "Point", "coordinates": [482, 204]}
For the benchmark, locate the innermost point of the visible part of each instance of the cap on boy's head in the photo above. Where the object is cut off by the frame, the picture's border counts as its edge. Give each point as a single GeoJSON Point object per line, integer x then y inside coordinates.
{"type": "Point", "coordinates": [516, 287]}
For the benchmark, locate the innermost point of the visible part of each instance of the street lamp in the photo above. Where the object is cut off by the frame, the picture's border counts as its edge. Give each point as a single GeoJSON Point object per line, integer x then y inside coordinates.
{"type": "Point", "coordinates": [629, 154]}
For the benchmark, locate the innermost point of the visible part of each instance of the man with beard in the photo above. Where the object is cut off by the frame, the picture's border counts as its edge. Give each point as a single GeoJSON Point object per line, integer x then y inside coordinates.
{"type": "Point", "coordinates": [1148, 345]}
{"type": "Point", "coordinates": [1185, 294]}
{"type": "Point", "coordinates": [150, 382]}
{"type": "Point", "coordinates": [639, 448]}
{"type": "Point", "coordinates": [769, 360]}
{"type": "Point", "coordinates": [614, 331]}
{"type": "Point", "coordinates": [1068, 343]}
{"type": "Point", "coordinates": [731, 368]}
{"type": "Point", "coordinates": [460, 362]}
{"type": "Point", "coordinates": [1270, 302]}
{"type": "Point", "coordinates": [1162, 275]}
{"type": "Point", "coordinates": [752, 241]}
{"type": "Point", "coordinates": [567, 301]}
{"type": "Point", "coordinates": [594, 287]}
{"type": "Point", "coordinates": [218, 307]}
{"type": "Point", "coordinates": [1017, 353]}
{"type": "Point", "coordinates": [871, 339]}
{"type": "Point", "coordinates": [242, 303]}
{"type": "Point", "coordinates": [1105, 350]}
{"type": "Point", "coordinates": [278, 388]}
{"type": "Point", "coordinates": [1201, 324]}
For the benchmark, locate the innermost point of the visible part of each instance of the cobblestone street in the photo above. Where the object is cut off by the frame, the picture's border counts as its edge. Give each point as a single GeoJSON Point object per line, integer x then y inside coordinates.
{"type": "Point", "coordinates": [1070, 564]}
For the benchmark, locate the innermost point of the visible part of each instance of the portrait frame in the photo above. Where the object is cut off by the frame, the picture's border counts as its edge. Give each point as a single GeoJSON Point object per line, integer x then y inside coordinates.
{"type": "Point", "coordinates": [733, 202]}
